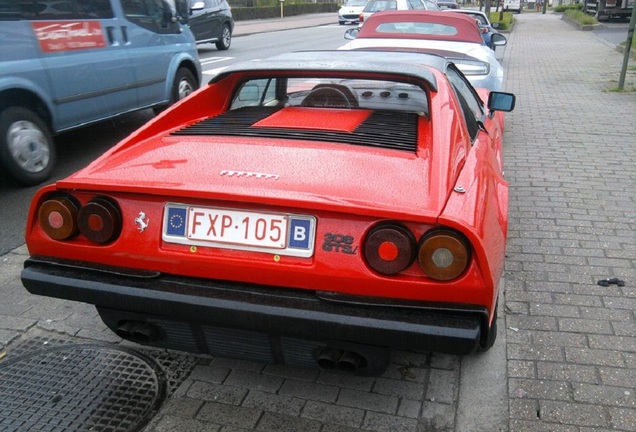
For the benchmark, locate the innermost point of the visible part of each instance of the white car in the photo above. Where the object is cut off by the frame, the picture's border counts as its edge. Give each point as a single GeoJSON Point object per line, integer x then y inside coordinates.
{"type": "Point", "coordinates": [374, 6]}
{"type": "Point", "coordinates": [350, 12]}
{"type": "Point", "coordinates": [453, 36]}
{"type": "Point", "coordinates": [512, 5]}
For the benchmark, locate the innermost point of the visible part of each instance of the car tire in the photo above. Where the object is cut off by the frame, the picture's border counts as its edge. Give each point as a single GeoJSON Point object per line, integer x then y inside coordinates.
{"type": "Point", "coordinates": [226, 38]}
{"type": "Point", "coordinates": [27, 150]}
{"type": "Point", "coordinates": [492, 333]}
{"type": "Point", "coordinates": [184, 84]}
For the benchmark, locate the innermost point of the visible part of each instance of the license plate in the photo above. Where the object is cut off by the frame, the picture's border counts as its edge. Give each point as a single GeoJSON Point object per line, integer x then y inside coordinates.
{"type": "Point", "coordinates": [277, 233]}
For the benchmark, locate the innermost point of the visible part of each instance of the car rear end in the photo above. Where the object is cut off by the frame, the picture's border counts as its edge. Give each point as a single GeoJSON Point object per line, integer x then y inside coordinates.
{"type": "Point", "coordinates": [324, 251]}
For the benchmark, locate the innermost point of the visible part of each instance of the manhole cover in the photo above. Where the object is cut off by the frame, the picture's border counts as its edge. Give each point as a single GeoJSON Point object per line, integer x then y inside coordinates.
{"type": "Point", "coordinates": [79, 388]}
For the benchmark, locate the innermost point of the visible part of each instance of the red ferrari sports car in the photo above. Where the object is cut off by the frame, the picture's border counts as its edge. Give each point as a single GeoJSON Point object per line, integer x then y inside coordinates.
{"type": "Point", "coordinates": [317, 208]}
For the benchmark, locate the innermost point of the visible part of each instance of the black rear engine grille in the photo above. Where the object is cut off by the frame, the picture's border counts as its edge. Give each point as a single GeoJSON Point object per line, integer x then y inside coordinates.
{"type": "Point", "coordinates": [384, 129]}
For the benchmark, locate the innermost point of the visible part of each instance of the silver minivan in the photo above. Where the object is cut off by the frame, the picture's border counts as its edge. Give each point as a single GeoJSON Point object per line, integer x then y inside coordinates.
{"type": "Point", "coordinates": [69, 63]}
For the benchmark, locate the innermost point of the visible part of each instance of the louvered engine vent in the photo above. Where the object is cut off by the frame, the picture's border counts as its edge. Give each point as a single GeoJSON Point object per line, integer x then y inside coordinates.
{"type": "Point", "coordinates": [384, 129]}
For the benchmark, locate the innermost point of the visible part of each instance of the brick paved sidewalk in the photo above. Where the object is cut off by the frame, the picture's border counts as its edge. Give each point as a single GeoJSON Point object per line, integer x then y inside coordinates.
{"type": "Point", "coordinates": [570, 157]}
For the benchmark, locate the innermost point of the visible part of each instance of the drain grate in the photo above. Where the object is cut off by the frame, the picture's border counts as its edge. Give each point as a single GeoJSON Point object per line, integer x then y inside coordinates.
{"type": "Point", "coordinates": [72, 387]}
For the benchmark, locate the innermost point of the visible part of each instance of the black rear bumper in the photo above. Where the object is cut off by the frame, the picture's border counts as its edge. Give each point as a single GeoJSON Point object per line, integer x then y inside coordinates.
{"type": "Point", "coordinates": [188, 309]}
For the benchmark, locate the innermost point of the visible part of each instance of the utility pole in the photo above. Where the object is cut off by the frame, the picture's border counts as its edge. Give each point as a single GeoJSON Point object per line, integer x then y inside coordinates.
{"type": "Point", "coordinates": [628, 47]}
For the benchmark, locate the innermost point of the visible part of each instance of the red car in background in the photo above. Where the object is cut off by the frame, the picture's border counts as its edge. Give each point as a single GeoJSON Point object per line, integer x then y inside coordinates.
{"type": "Point", "coordinates": [317, 208]}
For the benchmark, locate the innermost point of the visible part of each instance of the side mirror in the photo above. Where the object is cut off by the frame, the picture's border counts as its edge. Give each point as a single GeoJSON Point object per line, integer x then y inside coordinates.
{"type": "Point", "coordinates": [500, 101]}
{"type": "Point", "coordinates": [495, 25]}
{"type": "Point", "coordinates": [197, 6]}
{"type": "Point", "coordinates": [351, 33]}
{"type": "Point", "coordinates": [498, 39]}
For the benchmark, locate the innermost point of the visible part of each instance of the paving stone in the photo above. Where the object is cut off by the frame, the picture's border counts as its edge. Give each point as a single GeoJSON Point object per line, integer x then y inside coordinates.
{"type": "Point", "coordinates": [210, 374]}
{"type": "Point", "coordinates": [437, 417]}
{"type": "Point", "coordinates": [410, 408]}
{"type": "Point", "coordinates": [398, 388]}
{"type": "Point", "coordinates": [253, 380]}
{"type": "Point", "coordinates": [307, 390]}
{"type": "Point", "coordinates": [442, 386]}
{"type": "Point", "coordinates": [230, 415]}
{"type": "Point", "coordinates": [271, 422]}
{"type": "Point", "coordinates": [538, 389]}
{"type": "Point", "coordinates": [623, 418]}
{"type": "Point", "coordinates": [368, 401]}
{"type": "Point", "coordinates": [170, 423]}
{"type": "Point", "coordinates": [279, 404]}
{"type": "Point", "coordinates": [333, 414]}
{"type": "Point", "coordinates": [567, 372]}
{"type": "Point", "coordinates": [216, 393]}
{"type": "Point", "coordinates": [594, 357]}
{"type": "Point", "coordinates": [388, 423]}
{"type": "Point", "coordinates": [605, 395]}
{"type": "Point", "coordinates": [574, 414]}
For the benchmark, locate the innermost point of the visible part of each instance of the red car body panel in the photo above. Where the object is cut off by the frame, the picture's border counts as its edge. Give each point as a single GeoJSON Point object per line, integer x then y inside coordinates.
{"type": "Point", "coordinates": [466, 29]}
{"type": "Point", "coordinates": [458, 185]}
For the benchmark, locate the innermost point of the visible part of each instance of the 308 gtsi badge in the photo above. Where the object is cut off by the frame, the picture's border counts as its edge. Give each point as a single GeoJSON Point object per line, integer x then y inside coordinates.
{"type": "Point", "coordinates": [356, 206]}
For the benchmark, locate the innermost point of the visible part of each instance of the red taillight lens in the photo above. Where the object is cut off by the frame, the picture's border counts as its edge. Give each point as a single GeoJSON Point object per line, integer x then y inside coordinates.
{"type": "Point", "coordinates": [443, 254]}
{"type": "Point", "coordinates": [100, 220]}
{"type": "Point", "coordinates": [389, 248]}
{"type": "Point", "coordinates": [57, 218]}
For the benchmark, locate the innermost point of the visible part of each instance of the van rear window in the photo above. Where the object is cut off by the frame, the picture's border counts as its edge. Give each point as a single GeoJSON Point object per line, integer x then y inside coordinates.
{"type": "Point", "coordinates": [14, 10]}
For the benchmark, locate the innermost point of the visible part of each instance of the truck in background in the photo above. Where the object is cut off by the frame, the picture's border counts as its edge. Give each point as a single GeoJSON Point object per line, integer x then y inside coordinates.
{"type": "Point", "coordinates": [606, 10]}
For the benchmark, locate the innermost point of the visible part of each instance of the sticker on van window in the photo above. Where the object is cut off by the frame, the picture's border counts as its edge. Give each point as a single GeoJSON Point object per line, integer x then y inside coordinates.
{"type": "Point", "coordinates": [55, 36]}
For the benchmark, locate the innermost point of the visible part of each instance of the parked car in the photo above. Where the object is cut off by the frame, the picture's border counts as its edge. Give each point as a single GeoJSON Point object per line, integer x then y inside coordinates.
{"type": "Point", "coordinates": [314, 209]}
{"type": "Point", "coordinates": [211, 21]}
{"type": "Point", "coordinates": [374, 6]}
{"type": "Point", "coordinates": [447, 4]}
{"type": "Point", "coordinates": [453, 36]}
{"type": "Point", "coordinates": [350, 12]}
{"type": "Point", "coordinates": [69, 66]}
{"type": "Point", "coordinates": [512, 5]}
{"type": "Point", "coordinates": [486, 28]}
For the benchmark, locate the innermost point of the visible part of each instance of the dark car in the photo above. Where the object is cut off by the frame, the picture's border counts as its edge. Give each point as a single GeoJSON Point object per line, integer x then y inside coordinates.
{"type": "Point", "coordinates": [211, 22]}
{"type": "Point", "coordinates": [447, 4]}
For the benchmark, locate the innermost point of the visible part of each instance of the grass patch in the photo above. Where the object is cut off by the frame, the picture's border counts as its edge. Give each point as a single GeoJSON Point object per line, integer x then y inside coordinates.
{"type": "Point", "coordinates": [563, 8]}
{"type": "Point", "coordinates": [504, 20]}
{"type": "Point", "coordinates": [580, 17]}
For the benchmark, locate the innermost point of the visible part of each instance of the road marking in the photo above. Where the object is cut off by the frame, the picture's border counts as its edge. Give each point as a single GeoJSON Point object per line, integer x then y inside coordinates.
{"type": "Point", "coordinates": [215, 60]}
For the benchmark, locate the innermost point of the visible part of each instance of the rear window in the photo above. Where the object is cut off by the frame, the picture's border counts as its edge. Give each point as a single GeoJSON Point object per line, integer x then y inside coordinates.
{"type": "Point", "coordinates": [417, 28]}
{"type": "Point", "coordinates": [332, 93]}
{"type": "Point", "coordinates": [381, 5]}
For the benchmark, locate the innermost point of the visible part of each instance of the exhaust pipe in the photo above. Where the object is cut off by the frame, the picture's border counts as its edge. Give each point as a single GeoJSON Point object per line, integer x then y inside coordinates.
{"type": "Point", "coordinates": [350, 361]}
{"type": "Point", "coordinates": [333, 358]}
{"type": "Point", "coordinates": [138, 331]}
{"type": "Point", "coordinates": [328, 358]}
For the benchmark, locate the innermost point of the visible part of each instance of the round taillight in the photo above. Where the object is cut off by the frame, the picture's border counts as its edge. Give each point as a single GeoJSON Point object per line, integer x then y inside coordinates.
{"type": "Point", "coordinates": [389, 249]}
{"type": "Point", "coordinates": [58, 218]}
{"type": "Point", "coordinates": [443, 254]}
{"type": "Point", "coordinates": [100, 220]}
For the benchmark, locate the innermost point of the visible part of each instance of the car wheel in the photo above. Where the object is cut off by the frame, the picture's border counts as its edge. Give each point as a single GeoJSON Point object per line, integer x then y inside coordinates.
{"type": "Point", "coordinates": [184, 84]}
{"type": "Point", "coordinates": [27, 150]}
{"type": "Point", "coordinates": [341, 22]}
{"type": "Point", "coordinates": [226, 39]}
